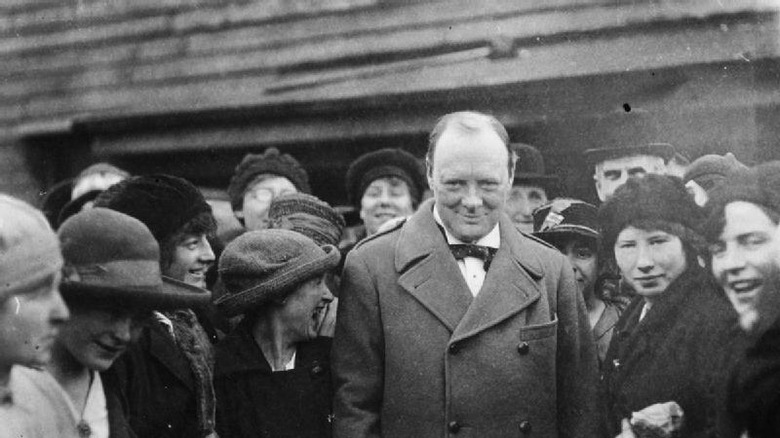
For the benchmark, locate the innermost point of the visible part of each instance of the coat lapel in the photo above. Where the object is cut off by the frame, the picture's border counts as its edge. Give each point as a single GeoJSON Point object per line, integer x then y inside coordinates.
{"type": "Point", "coordinates": [164, 349]}
{"type": "Point", "coordinates": [511, 285]}
{"type": "Point", "coordinates": [428, 270]}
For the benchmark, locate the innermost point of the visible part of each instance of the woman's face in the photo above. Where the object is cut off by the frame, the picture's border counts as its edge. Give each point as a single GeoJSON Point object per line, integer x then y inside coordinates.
{"type": "Point", "coordinates": [96, 337]}
{"type": "Point", "coordinates": [191, 259]}
{"type": "Point", "coordinates": [583, 257]}
{"type": "Point", "coordinates": [29, 323]}
{"type": "Point", "coordinates": [301, 309]}
{"type": "Point", "coordinates": [258, 197]}
{"type": "Point", "coordinates": [743, 258]}
{"type": "Point", "coordinates": [649, 260]}
{"type": "Point", "coordinates": [384, 199]}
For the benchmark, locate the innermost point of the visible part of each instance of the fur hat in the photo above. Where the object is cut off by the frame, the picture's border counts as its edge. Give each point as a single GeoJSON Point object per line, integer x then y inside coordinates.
{"type": "Point", "coordinates": [652, 198]}
{"type": "Point", "coordinates": [708, 170]}
{"type": "Point", "coordinates": [308, 215]}
{"type": "Point", "coordinates": [269, 162]}
{"type": "Point", "coordinates": [382, 164]}
{"type": "Point", "coordinates": [163, 203]}
{"type": "Point", "coordinates": [599, 155]}
{"type": "Point", "coordinates": [260, 266]}
{"type": "Point", "coordinates": [111, 257]}
{"type": "Point", "coordinates": [759, 185]}
{"type": "Point", "coordinates": [566, 217]}
{"type": "Point", "coordinates": [529, 168]}
{"type": "Point", "coordinates": [29, 249]}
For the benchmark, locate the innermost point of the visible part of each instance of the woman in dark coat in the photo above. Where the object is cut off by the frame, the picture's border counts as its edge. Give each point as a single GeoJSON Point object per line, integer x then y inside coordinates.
{"type": "Point", "coordinates": [272, 374]}
{"type": "Point", "coordinates": [668, 365]}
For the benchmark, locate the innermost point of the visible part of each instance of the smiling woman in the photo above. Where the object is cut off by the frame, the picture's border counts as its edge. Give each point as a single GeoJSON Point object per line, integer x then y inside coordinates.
{"type": "Point", "coordinates": [272, 374]}
{"type": "Point", "coordinates": [649, 225]}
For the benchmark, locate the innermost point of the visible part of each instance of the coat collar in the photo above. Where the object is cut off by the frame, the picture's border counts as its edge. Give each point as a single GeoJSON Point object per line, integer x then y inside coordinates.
{"type": "Point", "coordinates": [163, 348]}
{"type": "Point", "coordinates": [238, 352]}
{"type": "Point", "coordinates": [430, 273]}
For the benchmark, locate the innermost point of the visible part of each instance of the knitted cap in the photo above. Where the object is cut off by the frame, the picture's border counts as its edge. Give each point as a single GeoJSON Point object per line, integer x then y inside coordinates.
{"type": "Point", "coordinates": [29, 249]}
{"type": "Point", "coordinates": [270, 162]}
{"type": "Point", "coordinates": [386, 163]}
{"type": "Point", "coordinates": [529, 167]}
{"type": "Point", "coordinates": [710, 169]}
{"type": "Point", "coordinates": [759, 185]}
{"type": "Point", "coordinates": [260, 266]}
{"type": "Point", "coordinates": [650, 198]}
{"type": "Point", "coordinates": [111, 257]}
{"type": "Point", "coordinates": [564, 216]}
{"type": "Point", "coordinates": [308, 215]}
{"type": "Point", "coordinates": [163, 203]}
{"type": "Point", "coordinates": [598, 155]}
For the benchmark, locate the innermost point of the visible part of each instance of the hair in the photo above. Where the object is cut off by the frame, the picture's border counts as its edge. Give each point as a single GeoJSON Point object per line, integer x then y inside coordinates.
{"type": "Point", "coordinates": [469, 122]}
{"type": "Point", "coordinates": [693, 243]}
{"type": "Point", "coordinates": [201, 224]}
{"type": "Point", "coordinates": [713, 228]}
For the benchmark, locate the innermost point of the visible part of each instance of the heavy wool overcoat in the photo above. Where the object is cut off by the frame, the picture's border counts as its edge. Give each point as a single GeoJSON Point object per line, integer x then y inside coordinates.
{"type": "Point", "coordinates": [415, 355]}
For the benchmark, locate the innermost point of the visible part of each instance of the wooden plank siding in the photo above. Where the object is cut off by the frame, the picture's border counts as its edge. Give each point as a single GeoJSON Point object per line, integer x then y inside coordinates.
{"type": "Point", "coordinates": [153, 64]}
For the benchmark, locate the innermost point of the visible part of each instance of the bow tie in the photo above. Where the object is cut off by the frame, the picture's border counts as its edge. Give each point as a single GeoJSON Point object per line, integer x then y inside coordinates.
{"type": "Point", "coordinates": [483, 253]}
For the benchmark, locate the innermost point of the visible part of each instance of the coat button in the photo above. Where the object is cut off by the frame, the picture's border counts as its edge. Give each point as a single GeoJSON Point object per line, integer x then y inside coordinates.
{"type": "Point", "coordinates": [317, 370]}
{"type": "Point", "coordinates": [525, 426]}
{"type": "Point", "coordinates": [453, 427]}
{"type": "Point", "coordinates": [454, 348]}
{"type": "Point", "coordinates": [523, 348]}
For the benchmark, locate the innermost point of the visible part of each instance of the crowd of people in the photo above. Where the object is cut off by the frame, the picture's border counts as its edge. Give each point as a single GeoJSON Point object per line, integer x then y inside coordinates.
{"type": "Point", "coordinates": [475, 299]}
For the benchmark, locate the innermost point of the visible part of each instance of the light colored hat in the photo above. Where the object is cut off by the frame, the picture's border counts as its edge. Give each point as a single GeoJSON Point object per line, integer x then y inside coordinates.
{"type": "Point", "coordinates": [29, 249]}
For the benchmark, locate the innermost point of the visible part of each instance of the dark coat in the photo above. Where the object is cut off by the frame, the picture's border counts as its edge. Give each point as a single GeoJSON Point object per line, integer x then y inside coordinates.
{"type": "Point", "coordinates": [254, 402]}
{"type": "Point", "coordinates": [116, 405]}
{"type": "Point", "coordinates": [159, 384]}
{"type": "Point", "coordinates": [754, 391]}
{"type": "Point", "coordinates": [415, 355]}
{"type": "Point", "coordinates": [682, 351]}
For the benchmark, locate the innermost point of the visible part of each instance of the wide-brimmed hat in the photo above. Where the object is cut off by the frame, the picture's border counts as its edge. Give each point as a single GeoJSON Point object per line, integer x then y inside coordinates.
{"type": "Point", "coordinates": [598, 155]}
{"type": "Point", "coordinates": [385, 163]}
{"type": "Point", "coordinates": [260, 266]}
{"type": "Point", "coordinates": [529, 168]}
{"type": "Point", "coordinates": [29, 249]}
{"type": "Point", "coordinates": [565, 217]}
{"type": "Point", "coordinates": [269, 162]}
{"type": "Point", "coordinates": [112, 258]}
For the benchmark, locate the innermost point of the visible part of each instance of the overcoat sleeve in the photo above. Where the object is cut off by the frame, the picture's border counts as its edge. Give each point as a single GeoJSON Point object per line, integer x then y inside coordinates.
{"type": "Point", "coordinates": [577, 363]}
{"type": "Point", "coordinates": [358, 354]}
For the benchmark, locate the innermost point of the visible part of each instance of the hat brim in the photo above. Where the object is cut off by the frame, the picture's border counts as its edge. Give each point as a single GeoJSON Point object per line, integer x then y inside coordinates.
{"type": "Point", "coordinates": [171, 294]}
{"type": "Point", "coordinates": [598, 155]}
{"type": "Point", "coordinates": [277, 286]}
{"type": "Point", "coordinates": [567, 231]}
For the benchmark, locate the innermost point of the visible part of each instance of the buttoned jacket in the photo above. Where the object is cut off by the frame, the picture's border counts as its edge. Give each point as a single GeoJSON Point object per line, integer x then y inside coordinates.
{"type": "Point", "coordinates": [415, 355]}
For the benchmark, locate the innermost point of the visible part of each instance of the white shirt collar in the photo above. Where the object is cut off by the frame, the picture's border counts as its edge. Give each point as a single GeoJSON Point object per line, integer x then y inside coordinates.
{"type": "Point", "coordinates": [491, 239]}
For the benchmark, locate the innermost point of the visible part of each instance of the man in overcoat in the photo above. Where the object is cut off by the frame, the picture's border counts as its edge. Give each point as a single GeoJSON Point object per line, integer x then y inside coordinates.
{"type": "Point", "coordinates": [457, 324]}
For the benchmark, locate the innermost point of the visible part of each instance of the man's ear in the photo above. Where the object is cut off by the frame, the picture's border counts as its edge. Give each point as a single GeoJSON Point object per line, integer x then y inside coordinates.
{"type": "Point", "coordinates": [429, 173]}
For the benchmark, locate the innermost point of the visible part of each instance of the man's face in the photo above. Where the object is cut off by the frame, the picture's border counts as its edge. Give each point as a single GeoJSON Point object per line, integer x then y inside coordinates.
{"type": "Point", "coordinates": [743, 259]}
{"type": "Point", "coordinates": [470, 181]}
{"type": "Point", "coordinates": [258, 197]}
{"type": "Point", "coordinates": [29, 323]}
{"type": "Point", "coordinates": [611, 174]}
{"type": "Point", "coordinates": [523, 200]}
{"type": "Point", "coordinates": [192, 257]}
